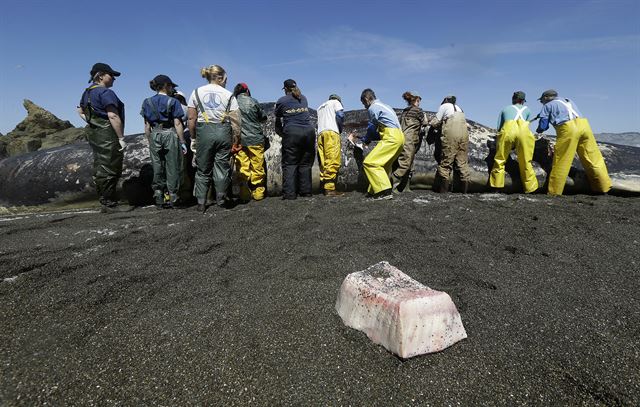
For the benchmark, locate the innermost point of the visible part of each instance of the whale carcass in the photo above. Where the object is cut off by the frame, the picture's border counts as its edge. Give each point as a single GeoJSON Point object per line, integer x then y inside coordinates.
{"type": "Point", "coordinates": [63, 174]}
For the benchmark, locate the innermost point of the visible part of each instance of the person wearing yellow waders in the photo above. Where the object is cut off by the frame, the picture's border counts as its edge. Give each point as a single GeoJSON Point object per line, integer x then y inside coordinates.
{"type": "Point", "coordinates": [412, 122]}
{"type": "Point", "coordinates": [104, 113]}
{"type": "Point", "coordinates": [573, 133]}
{"type": "Point", "coordinates": [164, 131]}
{"type": "Point", "coordinates": [455, 144]}
{"type": "Point", "coordinates": [513, 132]}
{"type": "Point", "coordinates": [214, 125]}
{"type": "Point", "coordinates": [385, 127]}
{"type": "Point", "coordinates": [249, 159]}
{"type": "Point", "coordinates": [330, 121]}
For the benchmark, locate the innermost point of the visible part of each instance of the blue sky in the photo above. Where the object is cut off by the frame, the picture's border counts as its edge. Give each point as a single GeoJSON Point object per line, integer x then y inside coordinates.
{"type": "Point", "coordinates": [588, 50]}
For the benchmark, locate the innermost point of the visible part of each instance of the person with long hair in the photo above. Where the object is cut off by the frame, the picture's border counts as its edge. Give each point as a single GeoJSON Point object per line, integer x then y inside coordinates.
{"type": "Point", "coordinates": [385, 127]}
{"type": "Point", "coordinates": [249, 159]}
{"type": "Point", "coordinates": [163, 128]}
{"type": "Point", "coordinates": [103, 112]}
{"type": "Point", "coordinates": [214, 125]}
{"type": "Point", "coordinates": [412, 122]}
{"type": "Point", "coordinates": [455, 145]}
{"type": "Point", "coordinates": [293, 124]}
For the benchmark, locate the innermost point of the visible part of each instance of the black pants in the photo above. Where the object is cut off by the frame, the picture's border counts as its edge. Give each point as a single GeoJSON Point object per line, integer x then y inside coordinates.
{"type": "Point", "coordinates": [298, 153]}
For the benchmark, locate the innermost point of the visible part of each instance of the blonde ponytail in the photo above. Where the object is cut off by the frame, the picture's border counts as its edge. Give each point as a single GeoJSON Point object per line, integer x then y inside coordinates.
{"type": "Point", "coordinates": [214, 73]}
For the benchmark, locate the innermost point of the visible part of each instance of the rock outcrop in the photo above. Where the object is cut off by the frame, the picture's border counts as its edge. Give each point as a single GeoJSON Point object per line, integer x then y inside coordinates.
{"type": "Point", "coordinates": [41, 129]}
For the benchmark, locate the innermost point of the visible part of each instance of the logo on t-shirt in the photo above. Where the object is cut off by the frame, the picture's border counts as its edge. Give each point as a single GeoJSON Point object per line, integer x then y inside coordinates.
{"type": "Point", "coordinates": [212, 101]}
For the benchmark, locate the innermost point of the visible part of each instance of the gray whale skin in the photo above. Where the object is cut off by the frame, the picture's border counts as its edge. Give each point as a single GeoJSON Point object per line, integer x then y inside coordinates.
{"type": "Point", "coordinates": [63, 174]}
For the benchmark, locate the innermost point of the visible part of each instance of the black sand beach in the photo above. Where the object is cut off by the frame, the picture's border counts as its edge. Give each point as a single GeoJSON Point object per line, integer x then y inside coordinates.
{"type": "Point", "coordinates": [236, 307]}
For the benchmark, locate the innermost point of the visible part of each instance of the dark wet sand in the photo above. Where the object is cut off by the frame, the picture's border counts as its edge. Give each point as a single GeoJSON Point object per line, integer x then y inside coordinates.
{"type": "Point", "coordinates": [236, 307]}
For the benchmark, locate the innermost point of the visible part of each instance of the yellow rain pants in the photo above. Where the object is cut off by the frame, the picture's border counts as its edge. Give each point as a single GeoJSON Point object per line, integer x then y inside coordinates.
{"type": "Point", "coordinates": [377, 164]}
{"type": "Point", "coordinates": [515, 134]}
{"type": "Point", "coordinates": [329, 156]}
{"type": "Point", "coordinates": [576, 135]}
{"type": "Point", "coordinates": [250, 166]}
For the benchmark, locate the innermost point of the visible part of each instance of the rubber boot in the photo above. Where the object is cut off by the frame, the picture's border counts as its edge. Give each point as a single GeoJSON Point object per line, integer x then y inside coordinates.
{"type": "Point", "coordinates": [441, 184]}
{"type": "Point", "coordinates": [395, 184]}
{"type": "Point", "coordinates": [444, 186]}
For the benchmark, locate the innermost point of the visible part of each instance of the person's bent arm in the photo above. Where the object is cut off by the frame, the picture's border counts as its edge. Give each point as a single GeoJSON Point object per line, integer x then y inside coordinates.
{"type": "Point", "coordinates": [191, 122]}
{"type": "Point", "coordinates": [236, 125]}
{"type": "Point", "coordinates": [500, 121]}
{"type": "Point", "coordinates": [179, 129]}
{"type": "Point", "coordinates": [543, 125]}
{"type": "Point", "coordinates": [116, 122]}
{"type": "Point", "coordinates": [340, 120]}
{"type": "Point", "coordinates": [147, 131]}
{"type": "Point", "coordinates": [81, 113]}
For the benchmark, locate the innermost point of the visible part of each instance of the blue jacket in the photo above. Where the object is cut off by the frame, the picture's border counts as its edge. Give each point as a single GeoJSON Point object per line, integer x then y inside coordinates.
{"type": "Point", "coordinates": [292, 112]}
{"type": "Point", "coordinates": [380, 115]}
{"type": "Point", "coordinates": [555, 112]}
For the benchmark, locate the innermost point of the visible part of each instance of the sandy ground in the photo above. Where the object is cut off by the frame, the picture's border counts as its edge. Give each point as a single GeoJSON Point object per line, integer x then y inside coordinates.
{"type": "Point", "coordinates": [236, 307]}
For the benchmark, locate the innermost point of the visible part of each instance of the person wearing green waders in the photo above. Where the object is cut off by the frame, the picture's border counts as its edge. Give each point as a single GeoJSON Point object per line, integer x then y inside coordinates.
{"type": "Point", "coordinates": [163, 128]}
{"type": "Point", "coordinates": [104, 113]}
{"type": "Point", "coordinates": [214, 125]}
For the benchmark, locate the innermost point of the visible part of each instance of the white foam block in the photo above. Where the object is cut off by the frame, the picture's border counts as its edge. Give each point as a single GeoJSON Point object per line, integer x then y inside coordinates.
{"type": "Point", "coordinates": [399, 313]}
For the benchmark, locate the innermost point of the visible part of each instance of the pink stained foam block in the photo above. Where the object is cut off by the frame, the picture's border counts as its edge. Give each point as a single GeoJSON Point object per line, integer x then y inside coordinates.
{"type": "Point", "coordinates": [399, 313]}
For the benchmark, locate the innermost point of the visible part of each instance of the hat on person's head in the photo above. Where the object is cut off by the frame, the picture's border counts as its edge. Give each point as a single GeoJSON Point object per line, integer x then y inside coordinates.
{"type": "Point", "coordinates": [548, 93]}
{"type": "Point", "coordinates": [450, 99]}
{"type": "Point", "coordinates": [519, 95]}
{"type": "Point", "coordinates": [414, 94]}
{"type": "Point", "coordinates": [161, 80]}
{"type": "Point", "coordinates": [289, 84]}
{"type": "Point", "coordinates": [100, 67]}
{"type": "Point", "coordinates": [243, 86]}
{"type": "Point", "coordinates": [333, 96]}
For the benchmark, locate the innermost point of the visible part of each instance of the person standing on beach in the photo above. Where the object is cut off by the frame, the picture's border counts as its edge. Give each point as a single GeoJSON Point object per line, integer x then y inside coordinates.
{"type": "Point", "coordinates": [412, 121]}
{"type": "Point", "coordinates": [573, 134]}
{"type": "Point", "coordinates": [384, 126]}
{"type": "Point", "coordinates": [293, 124]}
{"type": "Point", "coordinates": [455, 144]}
{"type": "Point", "coordinates": [330, 120]}
{"type": "Point", "coordinates": [250, 159]}
{"type": "Point", "coordinates": [163, 128]}
{"type": "Point", "coordinates": [103, 112]}
{"type": "Point", "coordinates": [214, 124]}
{"type": "Point", "coordinates": [513, 132]}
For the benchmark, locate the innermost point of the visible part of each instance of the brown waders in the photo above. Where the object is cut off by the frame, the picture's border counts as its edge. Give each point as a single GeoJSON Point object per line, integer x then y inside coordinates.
{"type": "Point", "coordinates": [455, 145]}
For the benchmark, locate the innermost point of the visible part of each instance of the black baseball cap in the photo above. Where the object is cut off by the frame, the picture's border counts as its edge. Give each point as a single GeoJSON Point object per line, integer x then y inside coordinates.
{"type": "Point", "coordinates": [335, 97]}
{"type": "Point", "coordinates": [164, 80]}
{"type": "Point", "coordinates": [289, 84]}
{"type": "Point", "coordinates": [101, 67]}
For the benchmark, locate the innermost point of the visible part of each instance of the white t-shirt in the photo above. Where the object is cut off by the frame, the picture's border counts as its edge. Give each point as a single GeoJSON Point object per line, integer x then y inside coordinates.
{"type": "Point", "coordinates": [447, 110]}
{"type": "Point", "coordinates": [214, 99]}
{"type": "Point", "coordinates": [327, 115]}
